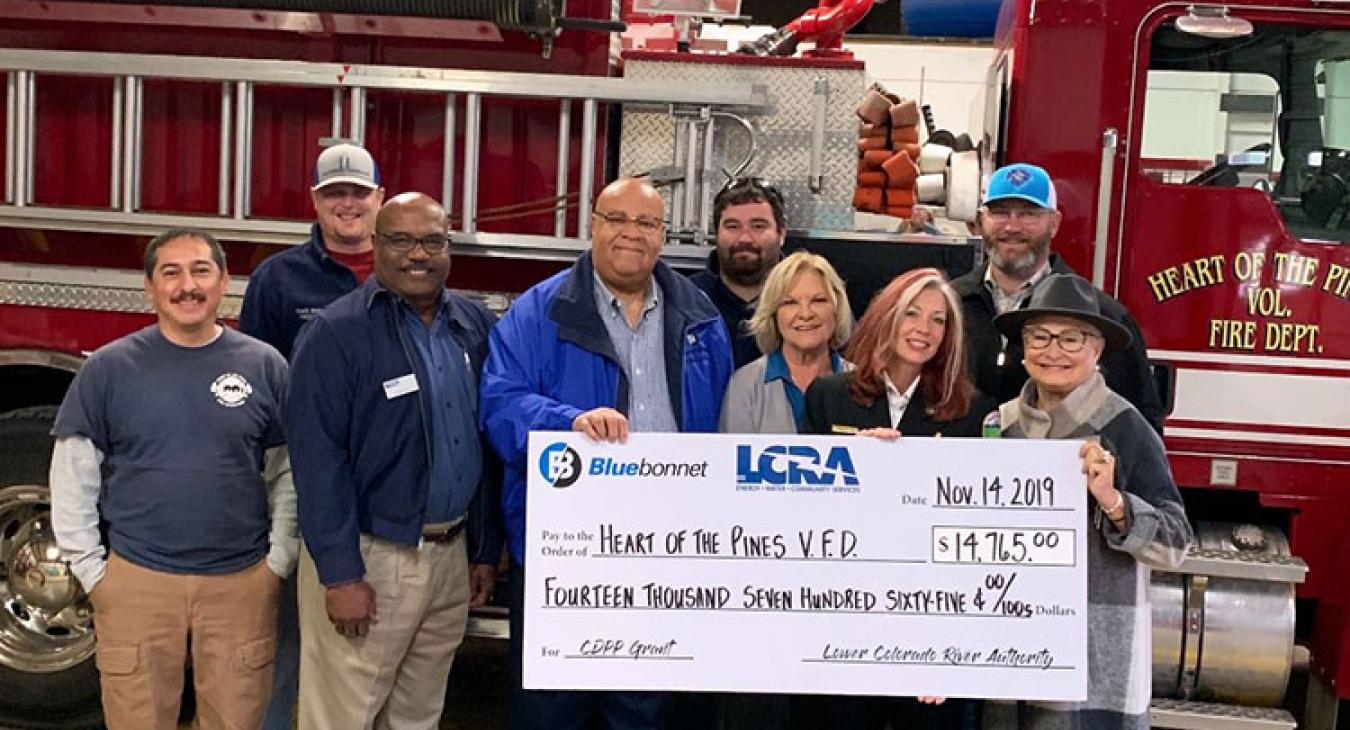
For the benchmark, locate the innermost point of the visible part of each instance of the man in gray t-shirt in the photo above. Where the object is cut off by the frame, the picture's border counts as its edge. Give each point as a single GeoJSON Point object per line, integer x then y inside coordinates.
{"type": "Point", "coordinates": [166, 435]}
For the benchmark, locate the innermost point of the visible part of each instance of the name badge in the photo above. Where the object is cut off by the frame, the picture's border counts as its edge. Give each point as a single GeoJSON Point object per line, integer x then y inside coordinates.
{"type": "Point", "coordinates": [401, 386]}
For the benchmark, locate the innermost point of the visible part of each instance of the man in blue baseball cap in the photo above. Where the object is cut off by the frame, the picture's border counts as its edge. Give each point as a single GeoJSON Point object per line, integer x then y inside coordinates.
{"type": "Point", "coordinates": [1019, 217]}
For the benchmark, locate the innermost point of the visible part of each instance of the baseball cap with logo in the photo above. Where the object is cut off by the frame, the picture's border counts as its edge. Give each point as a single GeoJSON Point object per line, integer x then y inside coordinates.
{"type": "Point", "coordinates": [346, 163]}
{"type": "Point", "coordinates": [1023, 182]}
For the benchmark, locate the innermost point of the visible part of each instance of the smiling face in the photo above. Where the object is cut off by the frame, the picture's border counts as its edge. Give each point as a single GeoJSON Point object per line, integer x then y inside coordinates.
{"type": "Point", "coordinates": [1056, 372]}
{"type": "Point", "coordinates": [413, 274]}
{"type": "Point", "coordinates": [749, 242]}
{"type": "Point", "coordinates": [1017, 235]}
{"type": "Point", "coordinates": [185, 287]}
{"type": "Point", "coordinates": [923, 324]}
{"type": "Point", "coordinates": [346, 215]}
{"type": "Point", "coordinates": [624, 243]}
{"type": "Point", "coordinates": [806, 317]}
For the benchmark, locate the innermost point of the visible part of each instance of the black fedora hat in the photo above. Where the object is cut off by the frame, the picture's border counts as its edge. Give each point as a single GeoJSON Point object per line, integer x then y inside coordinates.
{"type": "Point", "coordinates": [1064, 295]}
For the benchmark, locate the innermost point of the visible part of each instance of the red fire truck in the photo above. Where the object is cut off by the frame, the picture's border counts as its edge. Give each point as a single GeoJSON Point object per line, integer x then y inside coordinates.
{"type": "Point", "coordinates": [1226, 238]}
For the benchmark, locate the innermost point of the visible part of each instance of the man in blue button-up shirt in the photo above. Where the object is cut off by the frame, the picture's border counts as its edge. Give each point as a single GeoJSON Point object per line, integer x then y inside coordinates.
{"type": "Point", "coordinates": [397, 498]}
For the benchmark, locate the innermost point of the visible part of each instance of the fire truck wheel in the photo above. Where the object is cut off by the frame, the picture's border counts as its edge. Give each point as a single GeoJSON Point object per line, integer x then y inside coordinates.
{"type": "Point", "coordinates": [47, 673]}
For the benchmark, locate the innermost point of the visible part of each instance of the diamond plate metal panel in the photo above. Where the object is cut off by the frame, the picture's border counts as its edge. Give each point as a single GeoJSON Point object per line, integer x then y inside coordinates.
{"type": "Point", "coordinates": [783, 135]}
{"type": "Point", "coordinates": [1188, 715]}
{"type": "Point", "coordinates": [92, 298]}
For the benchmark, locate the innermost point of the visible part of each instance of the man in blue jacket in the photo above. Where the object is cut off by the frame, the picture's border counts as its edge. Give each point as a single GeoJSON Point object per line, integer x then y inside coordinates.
{"type": "Point", "coordinates": [396, 491]}
{"type": "Point", "coordinates": [620, 342]}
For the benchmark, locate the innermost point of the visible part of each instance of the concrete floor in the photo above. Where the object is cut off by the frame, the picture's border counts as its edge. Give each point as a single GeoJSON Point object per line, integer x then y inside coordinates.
{"type": "Point", "coordinates": [477, 696]}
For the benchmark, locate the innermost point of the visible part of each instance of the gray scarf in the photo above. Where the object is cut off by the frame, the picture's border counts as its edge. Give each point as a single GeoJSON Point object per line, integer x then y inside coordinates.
{"type": "Point", "coordinates": [1068, 419]}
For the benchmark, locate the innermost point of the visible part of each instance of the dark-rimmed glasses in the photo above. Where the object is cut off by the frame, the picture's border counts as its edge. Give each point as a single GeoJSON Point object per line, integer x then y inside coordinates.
{"type": "Point", "coordinates": [403, 243]}
{"type": "Point", "coordinates": [1070, 340]}
{"type": "Point", "coordinates": [644, 223]}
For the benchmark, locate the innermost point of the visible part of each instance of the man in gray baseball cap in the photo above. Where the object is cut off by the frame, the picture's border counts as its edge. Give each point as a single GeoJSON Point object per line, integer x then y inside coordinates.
{"type": "Point", "coordinates": [346, 163]}
{"type": "Point", "coordinates": [288, 289]}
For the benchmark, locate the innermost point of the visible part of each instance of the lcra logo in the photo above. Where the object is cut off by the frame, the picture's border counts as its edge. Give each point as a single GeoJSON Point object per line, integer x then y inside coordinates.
{"type": "Point", "coordinates": [794, 466]}
{"type": "Point", "coordinates": [560, 465]}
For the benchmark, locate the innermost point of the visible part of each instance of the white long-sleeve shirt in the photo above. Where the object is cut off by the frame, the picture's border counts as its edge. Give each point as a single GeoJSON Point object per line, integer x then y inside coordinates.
{"type": "Point", "coordinates": [76, 480]}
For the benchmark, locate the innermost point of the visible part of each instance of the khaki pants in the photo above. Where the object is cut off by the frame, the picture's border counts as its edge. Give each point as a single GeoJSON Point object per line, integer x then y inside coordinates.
{"type": "Point", "coordinates": [395, 676]}
{"type": "Point", "coordinates": [145, 621]}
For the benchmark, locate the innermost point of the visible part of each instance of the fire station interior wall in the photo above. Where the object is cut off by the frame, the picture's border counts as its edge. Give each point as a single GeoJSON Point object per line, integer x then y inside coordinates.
{"type": "Point", "coordinates": [947, 74]}
{"type": "Point", "coordinates": [951, 75]}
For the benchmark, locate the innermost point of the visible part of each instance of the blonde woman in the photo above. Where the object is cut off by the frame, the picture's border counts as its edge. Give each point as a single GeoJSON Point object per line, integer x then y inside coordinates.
{"type": "Point", "coordinates": [801, 322]}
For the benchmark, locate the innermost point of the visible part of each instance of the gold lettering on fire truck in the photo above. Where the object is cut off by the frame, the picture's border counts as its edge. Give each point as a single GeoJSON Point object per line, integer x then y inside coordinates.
{"type": "Point", "coordinates": [1197, 274]}
{"type": "Point", "coordinates": [1264, 282]}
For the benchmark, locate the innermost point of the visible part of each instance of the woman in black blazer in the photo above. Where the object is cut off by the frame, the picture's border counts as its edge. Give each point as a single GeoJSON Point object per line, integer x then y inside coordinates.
{"type": "Point", "coordinates": [910, 376]}
{"type": "Point", "coordinates": [909, 379]}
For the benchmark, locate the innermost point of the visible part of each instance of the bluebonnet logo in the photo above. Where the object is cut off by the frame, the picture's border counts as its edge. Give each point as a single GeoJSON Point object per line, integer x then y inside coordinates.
{"type": "Point", "coordinates": [560, 465]}
{"type": "Point", "coordinates": [794, 466]}
{"type": "Point", "coordinates": [1018, 177]}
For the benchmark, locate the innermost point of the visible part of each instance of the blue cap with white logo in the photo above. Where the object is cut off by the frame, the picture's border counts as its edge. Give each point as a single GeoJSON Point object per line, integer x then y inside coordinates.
{"type": "Point", "coordinates": [1023, 182]}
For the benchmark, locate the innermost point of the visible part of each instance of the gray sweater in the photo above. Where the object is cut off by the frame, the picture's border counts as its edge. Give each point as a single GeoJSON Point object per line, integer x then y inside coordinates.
{"type": "Point", "coordinates": [1119, 620]}
{"type": "Point", "coordinates": [754, 406]}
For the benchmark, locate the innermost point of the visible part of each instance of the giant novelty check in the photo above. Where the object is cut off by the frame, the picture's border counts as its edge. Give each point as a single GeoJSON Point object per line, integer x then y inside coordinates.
{"type": "Point", "coordinates": [807, 564]}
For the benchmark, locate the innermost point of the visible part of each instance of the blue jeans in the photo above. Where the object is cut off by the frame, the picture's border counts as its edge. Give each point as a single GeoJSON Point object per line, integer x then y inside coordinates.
{"type": "Point", "coordinates": [286, 671]}
{"type": "Point", "coordinates": [561, 710]}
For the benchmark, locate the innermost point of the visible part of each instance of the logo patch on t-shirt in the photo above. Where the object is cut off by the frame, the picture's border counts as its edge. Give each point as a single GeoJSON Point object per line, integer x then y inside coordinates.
{"type": "Point", "coordinates": [231, 390]}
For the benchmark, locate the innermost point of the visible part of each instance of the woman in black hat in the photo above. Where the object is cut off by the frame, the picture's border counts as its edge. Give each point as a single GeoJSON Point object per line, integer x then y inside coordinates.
{"type": "Point", "coordinates": [1137, 516]}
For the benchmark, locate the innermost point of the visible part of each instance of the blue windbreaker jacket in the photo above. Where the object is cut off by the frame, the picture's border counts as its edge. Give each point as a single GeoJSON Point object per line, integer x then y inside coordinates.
{"type": "Point", "coordinates": [550, 359]}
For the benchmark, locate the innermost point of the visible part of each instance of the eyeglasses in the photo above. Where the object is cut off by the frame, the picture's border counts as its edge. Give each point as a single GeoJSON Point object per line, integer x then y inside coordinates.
{"type": "Point", "coordinates": [403, 243]}
{"type": "Point", "coordinates": [1022, 215]}
{"type": "Point", "coordinates": [1070, 340]}
{"type": "Point", "coordinates": [644, 223]}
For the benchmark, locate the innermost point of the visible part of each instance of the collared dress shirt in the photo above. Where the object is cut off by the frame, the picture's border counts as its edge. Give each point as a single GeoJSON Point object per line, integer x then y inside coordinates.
{"type": "Point", "coordinates": [452, 399]}
{"type": "Point", "coordinates": [641, 351]}
{"type": "Point", "coordinates": [896, 401]}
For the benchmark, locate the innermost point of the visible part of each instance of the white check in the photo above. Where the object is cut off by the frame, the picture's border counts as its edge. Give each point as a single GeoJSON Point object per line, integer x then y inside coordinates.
{"type": "Point", "coordinates": [807, 564]}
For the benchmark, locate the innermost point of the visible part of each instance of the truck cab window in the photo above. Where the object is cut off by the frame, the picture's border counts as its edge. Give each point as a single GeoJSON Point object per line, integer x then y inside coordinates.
{"type": "Point", "coordinates": [994, 135]}
{"type": "Point", "coordinates": [1269, 111]}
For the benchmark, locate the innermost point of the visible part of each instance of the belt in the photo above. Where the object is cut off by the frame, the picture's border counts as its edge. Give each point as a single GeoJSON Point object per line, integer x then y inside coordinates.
{"type": "Point", "coordinates": [443, 532]}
